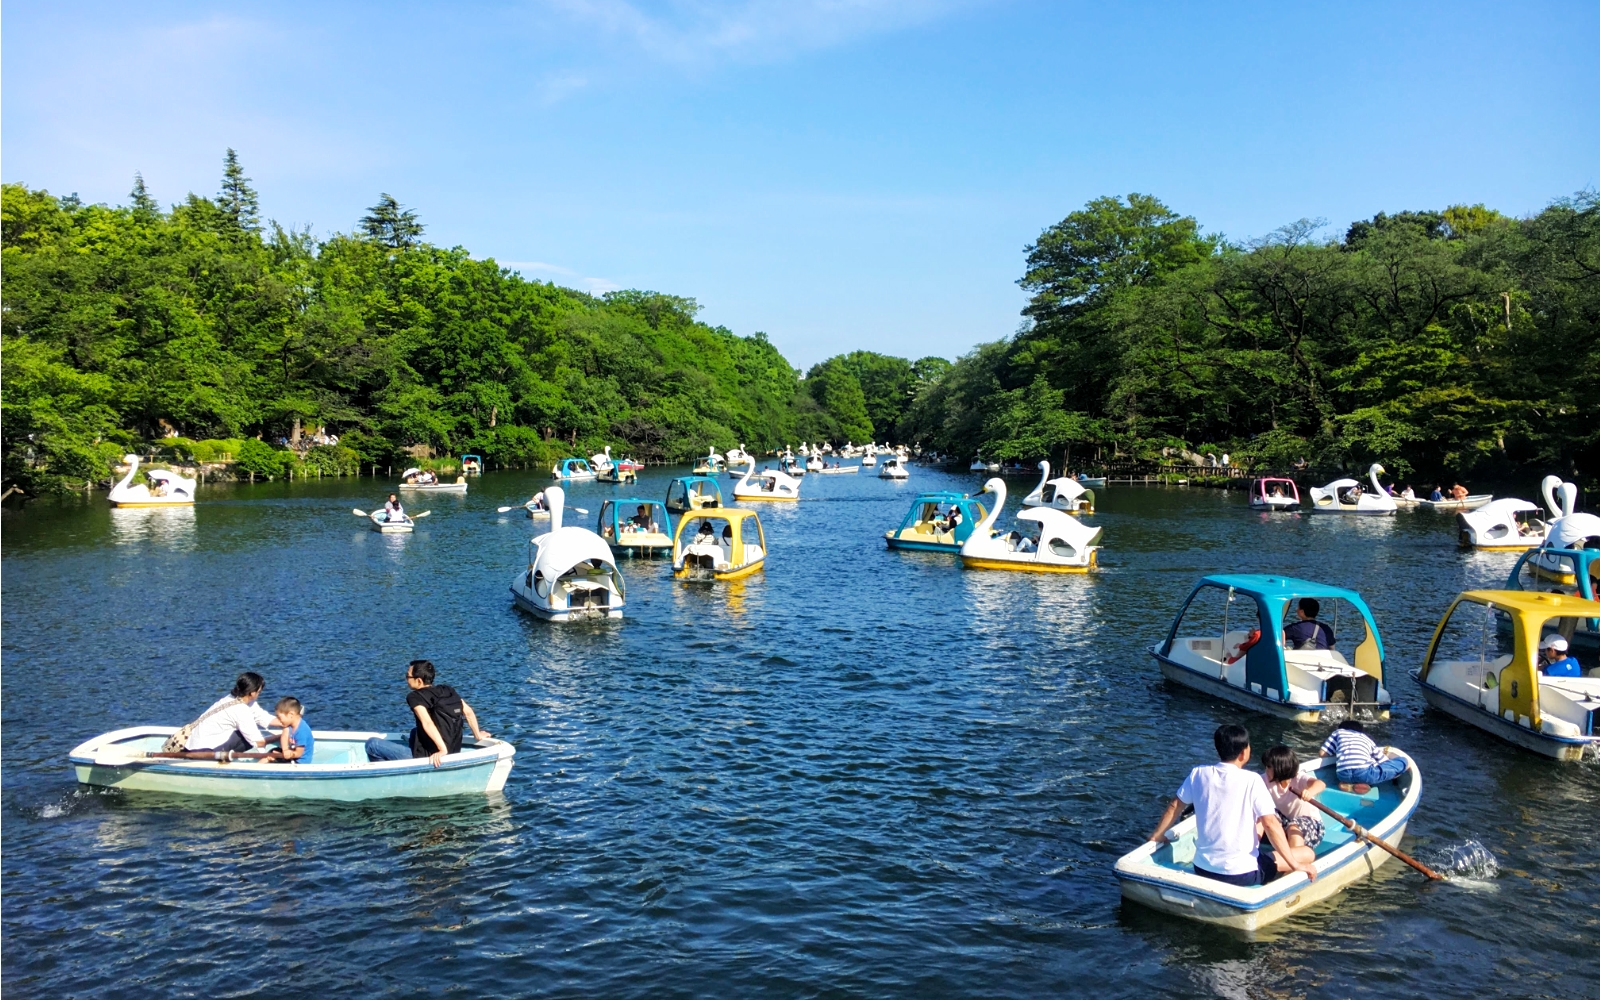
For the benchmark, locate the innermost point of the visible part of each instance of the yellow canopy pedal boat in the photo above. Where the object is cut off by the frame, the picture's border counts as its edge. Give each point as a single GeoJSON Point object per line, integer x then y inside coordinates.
{"type": "Point", "coordinates": [718, 543]}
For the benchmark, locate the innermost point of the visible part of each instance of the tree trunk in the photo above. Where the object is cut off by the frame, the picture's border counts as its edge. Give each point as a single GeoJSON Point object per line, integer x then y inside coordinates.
{"type": "Point", "coordinates": [294, 435]}
{"type": "Point", "coordinates": [494, 413]}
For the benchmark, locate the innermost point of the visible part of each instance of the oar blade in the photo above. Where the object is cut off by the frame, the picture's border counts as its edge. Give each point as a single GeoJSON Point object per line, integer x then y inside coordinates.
{"type": "Point", "coordinates": [360, 513]}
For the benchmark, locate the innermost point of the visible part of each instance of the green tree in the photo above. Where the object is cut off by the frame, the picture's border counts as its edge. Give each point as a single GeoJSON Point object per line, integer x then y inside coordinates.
{"type": "Point", "coordinates": [389, 224]}
{"type": "Point", "coordinates": [238, 199]}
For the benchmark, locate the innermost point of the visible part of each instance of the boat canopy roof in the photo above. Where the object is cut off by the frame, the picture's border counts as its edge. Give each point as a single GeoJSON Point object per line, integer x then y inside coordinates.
{"type": "Point", "coordinates": [1275, 593]}
{"type": "Point", "coordinates": [1274, 479]}
{"type": "Point", "coordinates": [564, 548]}
{"type": "Point", "coordinates": [736, 516]}
{"type": "Point", "coordinates": [1068, 487]}
{"type": "Point", "coordinates": [1342, 484]}
{"type": "Point", "coordinates": [690, 480]}
{"type": "Point", "coordinates": [1506, 505]}
{"type": "Point", "coordinates": [162, 474]}
{"type": "Point", "coordinates": [1059, 524]}
{"type": "Point", "coordinates": [1535, 604]}
{"type": "Point", "coordinates": [574, 460]}
{"type": "Point", "coordinates": [621, 508]}
{"type": "Point", "coordinates": [1565, 532]}
{"type": "Point", "coordinates": [478, 457]}
{"type": "Point", "coordinates": [940, 496]}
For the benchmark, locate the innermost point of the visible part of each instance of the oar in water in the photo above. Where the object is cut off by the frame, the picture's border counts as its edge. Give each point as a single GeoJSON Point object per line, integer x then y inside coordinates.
{"type": "Point", "coordinates": [1362, 834]}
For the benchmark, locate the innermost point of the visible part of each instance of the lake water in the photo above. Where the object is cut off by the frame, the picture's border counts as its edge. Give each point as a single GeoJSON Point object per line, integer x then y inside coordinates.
{"type": "Point", "coordinates": [862, 773]}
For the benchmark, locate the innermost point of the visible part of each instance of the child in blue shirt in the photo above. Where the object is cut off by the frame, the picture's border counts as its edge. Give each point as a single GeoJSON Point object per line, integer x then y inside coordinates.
{"type": "Point", "coordinates": [296, 744]}
{"type": "Point", "coordinates": [1557, 661]}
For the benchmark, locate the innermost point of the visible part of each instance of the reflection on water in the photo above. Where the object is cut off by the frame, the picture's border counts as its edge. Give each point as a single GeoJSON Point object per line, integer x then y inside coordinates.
{"type": "Point", "coordinates": [172, 527]}
{"type": "Point", "coordinates": [860, 772]}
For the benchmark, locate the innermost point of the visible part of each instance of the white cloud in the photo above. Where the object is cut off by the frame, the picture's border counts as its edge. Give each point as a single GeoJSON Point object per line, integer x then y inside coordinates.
{"type": "Point", "coordinates": [694, 33]}
{"type": "Point", "coordinates": [569, 277]}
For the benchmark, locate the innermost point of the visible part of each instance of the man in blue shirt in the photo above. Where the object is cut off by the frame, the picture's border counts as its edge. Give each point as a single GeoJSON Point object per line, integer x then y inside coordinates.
{"type": "Point", "coordinates": [1556, 661]}
{"type": "Point", "coordinates": [1308, 633]}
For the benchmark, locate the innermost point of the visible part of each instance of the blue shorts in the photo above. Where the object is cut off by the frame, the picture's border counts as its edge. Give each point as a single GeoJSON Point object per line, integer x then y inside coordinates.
{"type": "Point", "coordinates": [1375, 774]}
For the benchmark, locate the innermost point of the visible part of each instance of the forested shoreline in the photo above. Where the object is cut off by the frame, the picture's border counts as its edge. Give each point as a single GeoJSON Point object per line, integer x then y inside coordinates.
{"type": "Point", "coordinates": [1458, 342]}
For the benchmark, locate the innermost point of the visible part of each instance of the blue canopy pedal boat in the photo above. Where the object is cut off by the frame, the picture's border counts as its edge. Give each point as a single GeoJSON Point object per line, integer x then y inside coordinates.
{"type": "Point", "coordinates": [927, 525]}
{"type": "Point", "coordinates": [690, 493]}
{"type": "Point", "coordinates": [635, 526]}
{"type": "Point", "coordinates": [1161, 875]}
{"type": "Point", "coordinates": [1573, 572]}
{"type": "Point", "coordinates": [1228, 642]}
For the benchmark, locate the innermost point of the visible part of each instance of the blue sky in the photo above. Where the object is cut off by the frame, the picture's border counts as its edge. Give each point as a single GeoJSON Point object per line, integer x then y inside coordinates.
{"type": "Point", "coordinates": [841, 174]}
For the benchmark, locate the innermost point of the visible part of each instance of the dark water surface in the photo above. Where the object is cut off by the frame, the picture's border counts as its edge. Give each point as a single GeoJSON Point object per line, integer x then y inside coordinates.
{"type": "Point", "coordinates": [863, 773]}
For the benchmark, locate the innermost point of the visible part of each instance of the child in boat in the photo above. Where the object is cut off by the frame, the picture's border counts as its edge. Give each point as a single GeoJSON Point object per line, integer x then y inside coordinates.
{"type": "Point", "coordinates": [1291, 793]}
{"type": "Point", "coordinates": [1306, 632]}
{"type": "Point", "coordinates": [1360, 763]}
{"type": "Point", "coordinates": [296, 744]}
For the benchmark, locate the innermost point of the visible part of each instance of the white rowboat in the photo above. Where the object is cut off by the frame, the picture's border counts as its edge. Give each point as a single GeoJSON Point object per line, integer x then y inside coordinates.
{"type": "Point", "coordinates": [1161, 876]}
{"type": "Point", "coordinates": [339, 772]}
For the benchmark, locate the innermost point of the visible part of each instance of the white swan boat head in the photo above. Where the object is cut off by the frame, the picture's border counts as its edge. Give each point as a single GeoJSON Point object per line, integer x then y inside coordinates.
{"type": "Point", "coordinates": [571, 573]}
{"type": "Point", "coordinates": [166, 488]}
{"type": "Point", "coordinates": [1063, 493]}
{"type": "Point", "coordinates": [1062, 544]}
{"type": "Point", "coordinates": [1347, 496]}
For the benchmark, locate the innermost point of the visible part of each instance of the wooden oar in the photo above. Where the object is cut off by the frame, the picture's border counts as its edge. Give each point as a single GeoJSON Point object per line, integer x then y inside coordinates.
{"type": "Point", "coordinates": [122, 757]}
{"type": "Point", "coordinates": [1362, 834]}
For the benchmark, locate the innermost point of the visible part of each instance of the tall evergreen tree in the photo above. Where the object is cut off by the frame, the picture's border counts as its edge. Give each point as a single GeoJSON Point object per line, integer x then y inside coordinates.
{"type": "Point", "coordinates": [139, 198]}
{"type": "Point", "coordinates": [391, 225]}
{"type": "Point", "coordinates": [238, 199]}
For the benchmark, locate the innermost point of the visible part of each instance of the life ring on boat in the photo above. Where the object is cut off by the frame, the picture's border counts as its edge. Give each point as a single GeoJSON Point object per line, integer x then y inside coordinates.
{"type": "Point", "coordinates": [1237, 653]}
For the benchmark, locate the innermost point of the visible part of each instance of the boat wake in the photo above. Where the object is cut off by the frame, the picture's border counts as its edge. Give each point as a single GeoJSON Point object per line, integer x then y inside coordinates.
{"type": "Point", "coordinates": [1465, 862]}
{"type": "Point", "coordinates": [68, 805]}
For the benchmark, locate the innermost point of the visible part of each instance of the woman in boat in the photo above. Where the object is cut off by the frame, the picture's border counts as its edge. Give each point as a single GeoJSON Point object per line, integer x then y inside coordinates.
{"type": "Point", "coordinates": [1291, 792]}
{"type": "Point", "coordinates": [233, 722]}
{"type": "Point", "coordinates": [1408, 493]}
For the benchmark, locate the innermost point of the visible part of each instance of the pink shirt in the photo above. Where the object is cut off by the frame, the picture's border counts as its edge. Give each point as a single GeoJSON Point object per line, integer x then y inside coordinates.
{"type": "Point", "coordinates": [1287, 800]}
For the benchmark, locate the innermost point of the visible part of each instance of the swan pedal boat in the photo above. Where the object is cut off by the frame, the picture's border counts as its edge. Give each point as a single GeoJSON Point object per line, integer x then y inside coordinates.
{"type": "Point", "coordinates": [1263, 675]}
{"type": "Point", "coordinates": [1063, 493]}
{"type": "Point", "coordinates": [340, 771]}
{"type": "Point", "coordinates": [697, 562]}
{"type": "Point", "coordinates": [407, 477]}
{"type": "Point", "coordinates": [926, 526]}
{"type": "Point", "coordinates": [571, 572]}
{"type": "Point", "coordinates": [1330, 499]}
{"type": "Point", "coordinates": [893, 467]}
{"type": "Point", "coordinates": [1065, 544]}
{"type": "Point", "coordinates": [1161, 876]}
{"type": "Point", "coordinates": [175, 490]}
{"type": "Point", "coordinates": [773, 486]}
{"type": "Point", "coordinates": [381, 523]}
{"type": "Point", "coordinates": [1483, 672]}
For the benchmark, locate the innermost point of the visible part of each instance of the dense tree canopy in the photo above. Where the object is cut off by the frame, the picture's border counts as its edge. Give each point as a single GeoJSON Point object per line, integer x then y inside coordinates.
{"type": "Point", "coordinates": [125, 325]}
{"type": "Point", "coordinates": [1445, 343]}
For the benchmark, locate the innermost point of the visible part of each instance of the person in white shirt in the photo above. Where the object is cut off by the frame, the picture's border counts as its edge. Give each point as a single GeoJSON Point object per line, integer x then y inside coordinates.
{"type": "Point", "coordinates": [234, 722]}
{"type": "Point", "coordinates": [1232, 809]}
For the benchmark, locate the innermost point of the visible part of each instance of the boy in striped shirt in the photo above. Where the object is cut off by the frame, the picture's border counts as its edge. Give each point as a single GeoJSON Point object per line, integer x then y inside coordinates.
{"type": "Point", "coordinates": [1360, 763]}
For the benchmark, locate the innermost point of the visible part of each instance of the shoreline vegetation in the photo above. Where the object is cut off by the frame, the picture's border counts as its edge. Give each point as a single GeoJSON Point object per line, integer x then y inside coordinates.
{"type": "Point", "coordinates": [1445, 344]}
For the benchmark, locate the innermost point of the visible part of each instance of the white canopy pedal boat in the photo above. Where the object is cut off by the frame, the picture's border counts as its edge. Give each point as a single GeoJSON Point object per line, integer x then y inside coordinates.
{"type": "Point", "coordinates": [571, 572]}
{"type": "Point", "coordinates": [869, 456]}
{"type": "Point", "coordinates": [1063, 493]}
{"type": "Point", "coordinates": [1511, 525]}
{"type": "Point", "coordinates": [1161, 875]}
{"type": "Point", "coordinates": [1064, 544]}
{"type": "Point", "coordinates": [339, 771]}
{"type": "Point", "coordinates": [417, 479]}
{"type": "Point", "coordinates": [166, 489]}
{"type": "Point", "coordinates": [1346, 496]}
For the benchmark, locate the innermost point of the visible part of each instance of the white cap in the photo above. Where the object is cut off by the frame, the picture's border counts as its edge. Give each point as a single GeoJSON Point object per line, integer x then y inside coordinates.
{"type": "Point", "coordinates": [1554, 642]}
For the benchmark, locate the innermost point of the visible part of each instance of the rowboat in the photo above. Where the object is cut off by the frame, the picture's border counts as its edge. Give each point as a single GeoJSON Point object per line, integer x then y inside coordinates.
{"type": "Point", "coordinates": [407, 483]}
{"type": "Point", "coordinates": [837, 470]}
{"type": "Point", "coordinates": [1161, 876]}
{"type": "Point", "coordinates": [1472, 502]}
{"type": "Point", "coordinates": [380, 522]}
{"type": "Point", "coordinates": [340, 771]}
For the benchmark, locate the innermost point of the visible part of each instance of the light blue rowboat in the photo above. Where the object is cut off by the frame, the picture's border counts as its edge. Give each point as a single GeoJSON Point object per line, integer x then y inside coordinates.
{"type": "Point", "coordinates": [340, 773]}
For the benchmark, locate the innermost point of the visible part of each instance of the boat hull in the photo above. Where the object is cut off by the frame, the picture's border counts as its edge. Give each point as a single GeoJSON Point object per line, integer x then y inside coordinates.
{"type": "Point", "coordinates": [1177, 673]}
{"type": "Point", "coordinates": [152, 503]}
{"type": "Point", "coordinates": [1284, 504]}
{"type": "Point", "coordinates": [1556, 747]}
{"type": "Point", "coordinates": [764, 499]}
{"type": "Point", "coordinates": [393, 529]}
{"type": "Point", "coordinates": [1180, 901]}
{"type": "Point", "coordinates": [477, 770]}
{"type": "Point", "coordinates": [977, 562]}
{"type": "Point", "coordinates": [436, 487]}
{"type": "Point", "coordinates": [914, 546]}
{"type": "Point", "coordinates": [563, 614]}
{"type": "Point", "coordinates": [683, 573]}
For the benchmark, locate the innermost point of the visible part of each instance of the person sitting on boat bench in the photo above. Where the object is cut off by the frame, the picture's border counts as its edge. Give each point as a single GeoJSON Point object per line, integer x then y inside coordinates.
{"type": "Point", "coordinates": [392, 511]}
{"type": "Point", "coordinates": [1360, 764]}
{"type": "Point", "coordinates": [439, 711]}
{"type": "Point", "coordinates": [1555, 661]}
{"type": "Point", "coordinates": [642, 520]}
{"type": "Point", "coordinates": [296, 744]}
{"type": "Point", "coordinates": [234, 722]}
{"type": "Point", "coordinates": [1308, 633]}
{"type": "Point", "coordinates": [1437, 494]}
{"type": "Point", "coordinates": [1230, 806]}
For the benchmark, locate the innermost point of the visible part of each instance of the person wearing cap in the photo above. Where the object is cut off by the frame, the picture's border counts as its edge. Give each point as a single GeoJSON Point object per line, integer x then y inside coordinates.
{"type": "Point", "coordinates": [1557, 662]}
